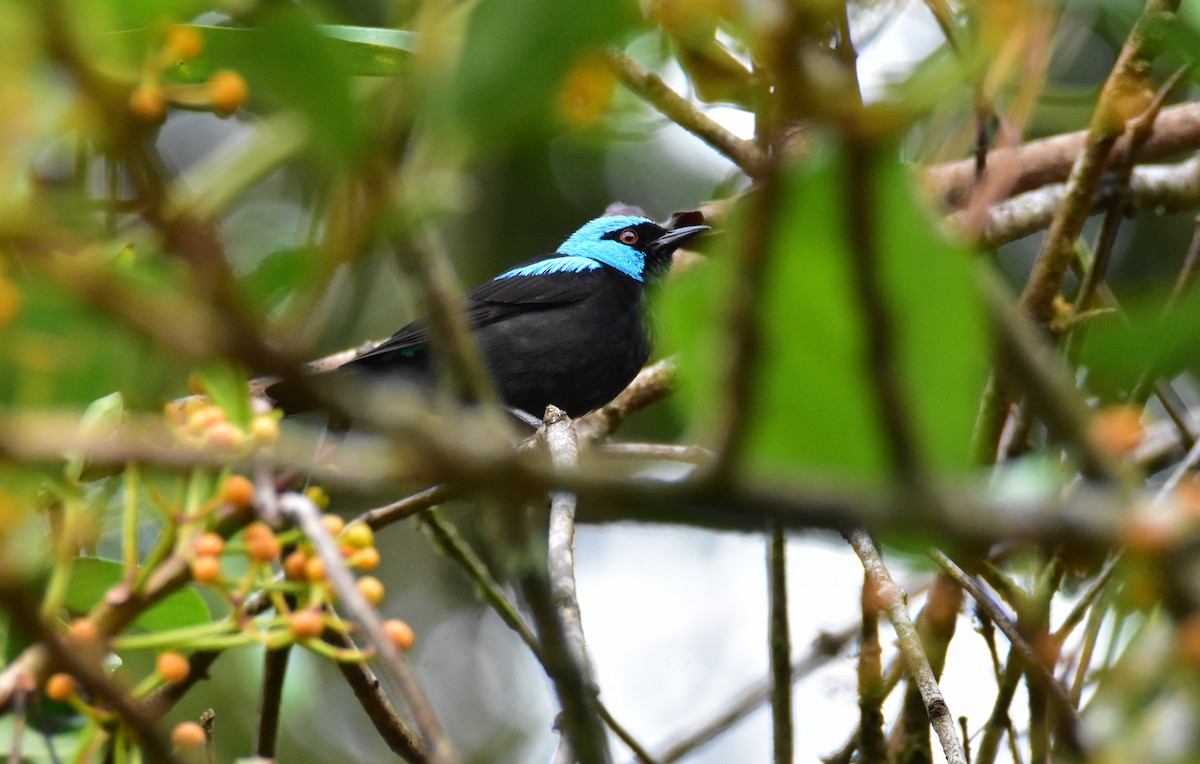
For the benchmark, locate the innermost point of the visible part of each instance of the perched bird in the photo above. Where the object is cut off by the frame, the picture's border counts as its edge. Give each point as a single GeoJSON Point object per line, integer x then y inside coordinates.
{"type": "Point", "coordinates": [564, 329]}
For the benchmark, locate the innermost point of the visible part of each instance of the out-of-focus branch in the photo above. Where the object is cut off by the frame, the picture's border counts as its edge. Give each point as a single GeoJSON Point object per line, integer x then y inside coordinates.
{"type": "Point", "coordinates": [1038, 671]}
{"type": "Point", "coordinates": [1165, 188]}
{"type": "Point", "coordinates": [893, 600]}
{"type": "Point", "coordinates": [1049, 160]}
{"type": "Point", "coordinates": [687, 115]}
{"type": "Point", "coordinates": [52, 651]}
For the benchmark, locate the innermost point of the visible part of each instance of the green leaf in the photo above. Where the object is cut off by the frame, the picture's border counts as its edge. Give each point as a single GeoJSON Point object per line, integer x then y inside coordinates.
{"type": "Point", "coordinates": [515, 55]}
{"type": "Point", "coordinates": [101, 418]}
{"type": "Point", "coordinates": [290, 63]}
{"type": "Point", "coordinates": [814, 406]}
{"type": "Point", "coordinates": [1119, 350]}
{"type": "Point", "coordinates": [92, 578]}
{"type": "Point", "coordinates": [226, 386]}
{"type": "Point", "coordinates": [281, 275]}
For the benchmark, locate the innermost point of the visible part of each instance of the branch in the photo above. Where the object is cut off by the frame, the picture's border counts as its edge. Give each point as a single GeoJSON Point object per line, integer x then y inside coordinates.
{"type": "Point", "coordinates": [893, 600]}
{"type": "Point", "coordinates": [562, 629]}
{"type": "Point", "coordinates": [392, 662]}
{"type": "Point", "coordinates": [687, 115]}
{"type": "Point", "coordinates": [1049, 160]}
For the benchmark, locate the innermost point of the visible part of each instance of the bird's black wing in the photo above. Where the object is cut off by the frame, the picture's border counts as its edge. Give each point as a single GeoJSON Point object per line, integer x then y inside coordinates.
{"type": "Point", "coordinates": [492, 302]}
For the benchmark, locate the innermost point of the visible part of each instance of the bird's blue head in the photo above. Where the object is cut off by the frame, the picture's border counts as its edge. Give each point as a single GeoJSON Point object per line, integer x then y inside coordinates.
{"type": "Point", "coordinates": [633, 245]}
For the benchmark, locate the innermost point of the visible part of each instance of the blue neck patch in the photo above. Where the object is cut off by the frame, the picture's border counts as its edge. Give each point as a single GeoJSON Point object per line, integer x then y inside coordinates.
{"type": "Point", "coordinates": [587, 243]}
{"type": "Point", "coordinates": [553, 265]}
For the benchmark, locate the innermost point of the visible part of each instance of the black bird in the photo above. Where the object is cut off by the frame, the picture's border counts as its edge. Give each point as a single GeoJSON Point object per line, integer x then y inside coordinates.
{"type": "Point", "coordinates": [564, 329]}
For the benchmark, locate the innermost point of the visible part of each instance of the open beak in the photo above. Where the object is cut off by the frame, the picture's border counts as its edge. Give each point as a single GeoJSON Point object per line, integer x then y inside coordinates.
{"type": "Point", "coordinates": [673, 240]}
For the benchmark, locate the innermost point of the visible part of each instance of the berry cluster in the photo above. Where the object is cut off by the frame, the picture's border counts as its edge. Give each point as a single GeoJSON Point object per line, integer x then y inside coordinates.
{"type": "Point", "coordinates": [224, 93]}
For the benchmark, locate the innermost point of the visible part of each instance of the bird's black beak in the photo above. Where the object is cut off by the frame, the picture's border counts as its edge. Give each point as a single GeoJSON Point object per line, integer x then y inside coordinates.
{"type": "Point", "coordinates": [673, 240]}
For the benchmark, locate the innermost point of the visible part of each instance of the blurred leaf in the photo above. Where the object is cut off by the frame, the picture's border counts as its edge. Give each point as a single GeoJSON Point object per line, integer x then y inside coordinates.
{"type": "Point", "coordinates": [59, 351]}
{"type": "Point", "coordinates": [225, 386]}
{"type": "Point", "coordinates": [514, 58]}
{"type": "Point", "coordinates": [1119, 351]}
{"type": "Point", "coordinates": [290, 62]}
{"type": "Point", "coordinates": [814, 406]}
{"type": "Point", "coordinates": [279, 276]}
{"type": "Point", "coordinates": [102, 417]}
{"type": "Point", "coordinates": [92, 578]}
{"type": "Point", "coordinates": [39, 749]}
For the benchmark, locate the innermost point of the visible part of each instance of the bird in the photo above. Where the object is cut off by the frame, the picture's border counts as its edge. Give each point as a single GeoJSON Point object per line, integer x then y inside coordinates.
{"type": "Point", "coordinates": [567, 328]}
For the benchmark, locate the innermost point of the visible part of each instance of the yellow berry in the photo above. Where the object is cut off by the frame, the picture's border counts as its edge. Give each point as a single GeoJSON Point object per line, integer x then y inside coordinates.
{"type": "Point", "coordinates": [60, 686]}
{"type": "Point", "coordinates": [173, 667]}
{"type": "Point", "coordinates": [209, 545]}
{"type": "Point", "coordinates": [306, 624]}
{"type": "Point", "coordinates": [264, 430]}
{"type": "Point", "coordinates": [317, 495]}
{"type": "Point", "coordinates": [206, 570]}
{"type": "Point", "coordinates": [333, 524]}
{"type": "Point", "coordinates": [371, 588]}
{"type": "Point", "coordinates": [227, 91]}
{"type": "Point", "coordinates": [184, 42]}
{"type": "Point", "coordinates": [147, 102]}
{"type": "Point", "coordinates": [359, 536]}
{"type": "Point", "coordinates": [400, 633]}
{"type": "Point", "coordinates": [188, 735]}
{"type": "Point", "coordinates": [238, 491]}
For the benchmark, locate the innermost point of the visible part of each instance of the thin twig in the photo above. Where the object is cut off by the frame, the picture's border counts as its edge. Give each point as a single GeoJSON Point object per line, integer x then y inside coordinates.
{"type": "Point", "coordinates": [392, 662]}
{"type": "Point", "coordinates": [779, 645]}
{"type": "Point", "coordinates": [1039, 673]}
{"type": "Point", "coordinates": [275, 664]}
{"type": "Point", "coordinates": [872, 744]}
{"type": "Point", "coordinates": [893, 600]}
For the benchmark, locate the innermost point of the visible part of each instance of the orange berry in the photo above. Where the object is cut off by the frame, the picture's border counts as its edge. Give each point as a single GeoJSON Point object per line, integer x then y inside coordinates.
{"type": "Point", "coordinates": [60, 686]}
{"type": "Point", "coordinates": [314, 569]}
{"type": "Point", "coordinates": [147, 102]}
{"type": "Point", "coordinates": [1118, 429]}
{"type": "Point", "coordinates": [227, 91]}
{"type": "Point", "coordinates": [226, 436]}
{"type": "Point", "coordinates": [261, 544]}
{"type": "Point", "coordinates": [188, 735]}
{"type": "Point", "coordinates": [371, 588]}
{"type": "Point", "coordinates": [306, 624]}
{"type": "Point", "coordinates": [82, 632]}
{"type": "Point", "coordinates": [400, 633]}
{"type": "Point", "coordinates": [184, 42]}
{"type": "Point", "coordinates": [293, 566]}
{"type": "Point", "coordinates": [209, 545]}
{"type": "Point", "coordinates": [238, 491]}
{"type": "Point", "coordinates": [173, 667]}
{"type": "Point", "coordinates": [206, 570]}
{"type": "Point", "coordinates": [365, 560]}
{"type": "Point", "coordinates": [333, 524]}
{"type": "Point", "coordinates": [359, 536]}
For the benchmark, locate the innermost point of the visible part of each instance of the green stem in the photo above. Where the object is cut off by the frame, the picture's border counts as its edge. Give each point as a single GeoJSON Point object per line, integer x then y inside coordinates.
{"type": "Point", "coordinates": [130, 518]}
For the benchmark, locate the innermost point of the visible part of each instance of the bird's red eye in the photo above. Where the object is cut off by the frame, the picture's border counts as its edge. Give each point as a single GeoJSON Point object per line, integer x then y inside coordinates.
{"type": "Point", "coordinates": [629, 236]}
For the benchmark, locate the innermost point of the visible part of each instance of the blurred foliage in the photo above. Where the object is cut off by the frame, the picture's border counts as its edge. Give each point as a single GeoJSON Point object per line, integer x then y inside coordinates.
{"type": "Point", "coordinates": [195, 192]}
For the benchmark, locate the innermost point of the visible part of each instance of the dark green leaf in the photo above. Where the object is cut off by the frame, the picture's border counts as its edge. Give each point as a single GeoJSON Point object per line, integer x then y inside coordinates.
{"type": "Point", "coordinates": [814, 405]}
{"type": "Point", "coordinates": [92, 578]}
